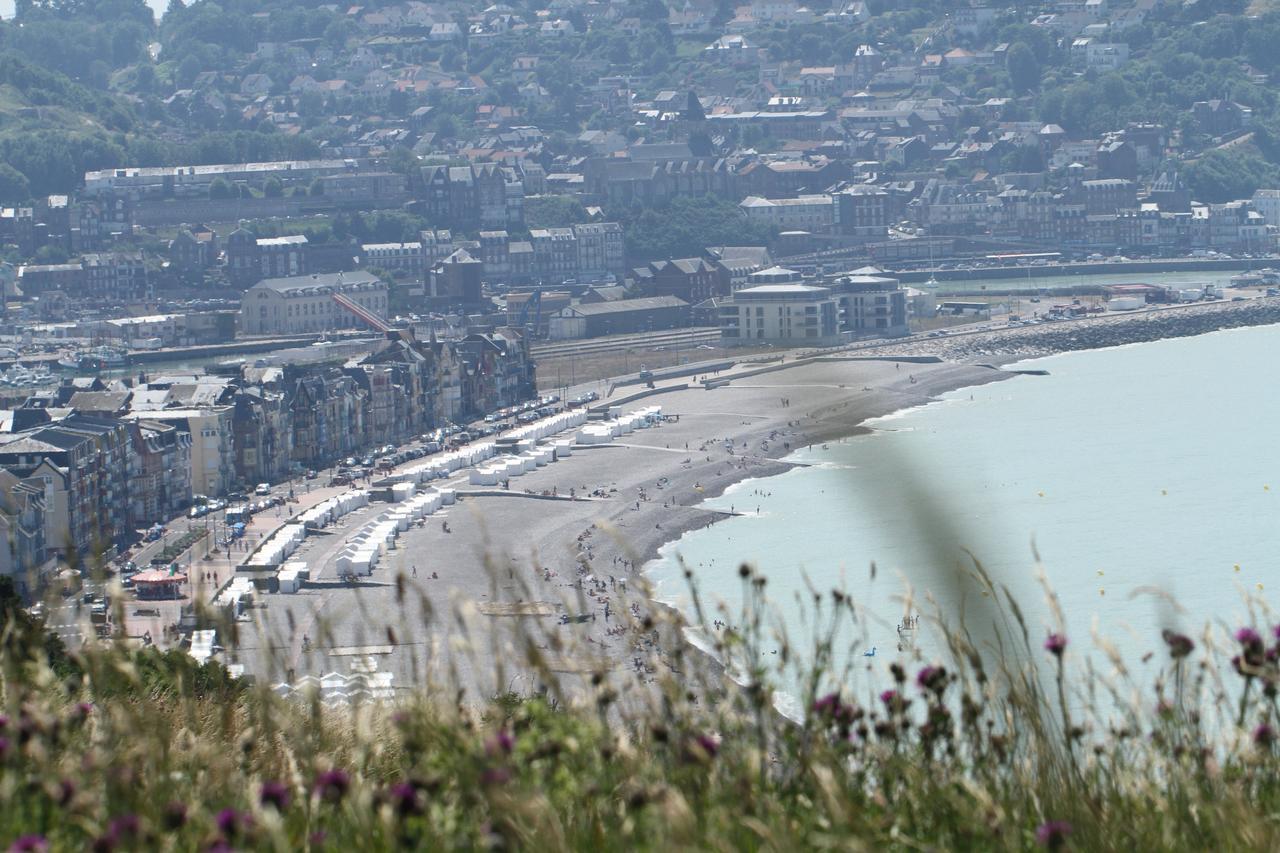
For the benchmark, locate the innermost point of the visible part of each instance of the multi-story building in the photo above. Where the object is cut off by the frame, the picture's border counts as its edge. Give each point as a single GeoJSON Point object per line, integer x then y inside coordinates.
{"type": "Point", "coordinates": [404, 258]}
{"type": "Point", "coordinates": [862, 211]}
{"type": "Point", "coordinates": [212, 446]}
{"type": "Point", "coordinates": [22, 528]}
{"type": "Point", "coordinates": [161, 182]}
{"type": "Point", "coordinates": [812, 213]}
{"type": "Point", "coordinates": [555, 253]}
{"type": "Point", "coordinates": [600, 250]}
{"type": "Point", "coordinates": [692, 279]}
{"type": "Point", "coordinates": [83, 464]}
{"type": "Point", "coordinates": [250, 259]}
{"type": "Point", "coordinates": [261, 436]}
{"type": "Point", "coordinates": [870, 305]}
{"type": "Point", "coordinates": [282, 256]}
{"type": "Point", "coordinates": [780, 314]}
{"type": "Point", "coordinates": [465, 197]}
{"type": "Point", "coordinates": [159, 471]}
{"type": "Point", "coordinates": [299, 304]}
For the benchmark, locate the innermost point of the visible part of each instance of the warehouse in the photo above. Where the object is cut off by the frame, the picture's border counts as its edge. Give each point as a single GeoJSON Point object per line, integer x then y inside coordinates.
{"type": "Point", "coordinates": [593, 320]}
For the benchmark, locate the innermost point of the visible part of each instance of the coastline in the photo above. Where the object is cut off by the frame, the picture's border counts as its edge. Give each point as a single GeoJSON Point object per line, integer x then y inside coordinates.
{"type": "Point", "coordinates": [520, 549]}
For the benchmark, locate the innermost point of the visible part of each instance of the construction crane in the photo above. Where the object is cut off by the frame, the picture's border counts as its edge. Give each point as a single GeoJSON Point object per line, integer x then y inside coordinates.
{"type": "Point", "coordinates": [364, 314]}
{"type": "Point", "coordinates": [535, 302]}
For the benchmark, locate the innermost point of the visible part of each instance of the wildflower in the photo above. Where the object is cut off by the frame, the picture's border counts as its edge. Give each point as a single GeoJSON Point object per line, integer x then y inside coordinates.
{"type": "Point", "coordinates": [932, 678]}
{"type": "Point", "coordinates": [80, 713]}
{"type": "Point", "coordinates": [1248, 638]}
{"type": "Point", "coordinates": [126, 825]}
{"type": "Point", "coordinates": [827, 705]}
{"type": "Point", "coordinates": [708, 744]}
{"type": "Point", "coordinates": [1180, 645]}
{"type": "Point", "coordinates": [274, 794]}
{"type": "Point", "coordinates": [893, 701]}
{"type": "Point", "coordinates": [1264, 735]}
{"type": "Point", "coordinates": [231, 822]}
{"type": "Point", "coordinates": [406, 799]}
{"type": "Point", "coordinates": [29, 844]}
{"type": "Point", "coordinates": [1055, 644]}
{"type": "Point", "coordinates": [175, 815]}
{"type": "Point", "coordinates": [332, 785]}
{"type": "Point", "coordinates": [1053, 834]}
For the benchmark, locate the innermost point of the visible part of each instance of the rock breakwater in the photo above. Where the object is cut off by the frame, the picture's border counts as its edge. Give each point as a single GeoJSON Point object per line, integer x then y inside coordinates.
{"type": "Point", "coordinates": [1016, 342]}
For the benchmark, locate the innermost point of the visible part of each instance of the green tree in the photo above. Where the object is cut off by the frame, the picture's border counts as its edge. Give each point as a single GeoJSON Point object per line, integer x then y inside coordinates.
{"type": "Point", "coordinates": [14, 186]}
{"type": "Point", "coordinates": [219, 189]}
{"type": "Point", "coordinates": [1024, 70]}
{"type": "Point", "coordinates": [273, 188]}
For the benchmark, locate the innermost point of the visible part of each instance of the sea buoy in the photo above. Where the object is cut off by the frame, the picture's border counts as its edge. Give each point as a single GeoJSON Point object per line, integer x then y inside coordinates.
{"type": "Point", "coordinates": [1237, 567]}
{"type": "Point", "coordinates": [1041, 494]}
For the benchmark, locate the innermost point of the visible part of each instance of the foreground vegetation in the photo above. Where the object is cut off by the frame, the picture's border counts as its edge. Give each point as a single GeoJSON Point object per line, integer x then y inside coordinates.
{"type": "Point", "coordinates": [114, 748]}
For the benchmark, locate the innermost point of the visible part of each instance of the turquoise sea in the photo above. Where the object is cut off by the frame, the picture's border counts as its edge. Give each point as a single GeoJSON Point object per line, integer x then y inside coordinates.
{"type": "Point", "coordinates": [1139, 474]}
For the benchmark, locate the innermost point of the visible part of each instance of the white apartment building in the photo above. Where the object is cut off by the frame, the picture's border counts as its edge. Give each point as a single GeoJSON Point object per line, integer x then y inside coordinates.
{"type": "Point", "coordinates": [813, 213]}
{"type": "Point", "coordinates": [781, 314]}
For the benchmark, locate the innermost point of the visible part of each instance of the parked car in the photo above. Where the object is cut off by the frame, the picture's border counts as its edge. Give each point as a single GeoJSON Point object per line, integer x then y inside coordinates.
{"type": "Point", "coordinates": [340, 480]}
{"type": "Point", "coordinates": [262, 489]}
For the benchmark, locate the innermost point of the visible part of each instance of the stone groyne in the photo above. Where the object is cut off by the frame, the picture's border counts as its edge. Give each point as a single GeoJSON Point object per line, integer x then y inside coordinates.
{"type": "Point", "coordinates": [1016, 342]}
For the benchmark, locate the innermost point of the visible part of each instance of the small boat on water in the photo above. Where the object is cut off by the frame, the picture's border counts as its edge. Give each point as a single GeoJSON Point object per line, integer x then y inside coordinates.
{"type": "Point", "coordinates": [21, 376]}
{"type": "Point", "coordinates": [94, 359]}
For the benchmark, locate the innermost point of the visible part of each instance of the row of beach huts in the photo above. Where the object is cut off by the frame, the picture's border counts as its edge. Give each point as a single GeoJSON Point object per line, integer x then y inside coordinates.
{"type": "Point", "coordinates": [491, 462]}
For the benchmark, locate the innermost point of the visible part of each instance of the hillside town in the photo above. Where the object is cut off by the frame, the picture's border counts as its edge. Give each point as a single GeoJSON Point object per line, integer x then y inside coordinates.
{"type": "Point", "coordinates": [366, 219]}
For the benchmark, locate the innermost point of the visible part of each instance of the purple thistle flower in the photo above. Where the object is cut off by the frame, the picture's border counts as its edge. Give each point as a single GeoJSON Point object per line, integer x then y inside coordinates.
{"type": "Point", "coordinates": [231, 822]}
{"type": "Point", "coordinates": [933, 678]}
{"type": "Point", "coordinates": [332, 785]}
{"type": "Point", "coordinates": [406, 799]}
{"type": "Point", "coordinates": [1264, 735]}
{"type": "Point", "coordinates": [1055, 644]}
{"type": "Point", "coordinates": [888, 697]}
{"type": "Point", "coordinates": [274, 794]}
{"type": "Point", "coordinates": [825, 705]}
{"type": "Point", "coordinates": [1053, 833]}
{"type": "Point", "coordinates": [708, 744]}
{"type": "Point", "coordinates": [1248, 637]}
{"type": "Point", "coordinates": [29, 844]}
{"type": "Point", "coordinates": [125, 825]}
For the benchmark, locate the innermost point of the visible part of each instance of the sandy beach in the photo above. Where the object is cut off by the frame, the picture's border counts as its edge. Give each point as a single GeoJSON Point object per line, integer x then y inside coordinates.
{"type": "Point", "coordinates": [483, 587]}
{"type": "Point", "coordinates": [513, 591]}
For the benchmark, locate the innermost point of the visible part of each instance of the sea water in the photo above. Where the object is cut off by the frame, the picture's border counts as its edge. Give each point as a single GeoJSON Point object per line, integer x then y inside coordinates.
{"type": "Point", "coordinates": [1146, 478]}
